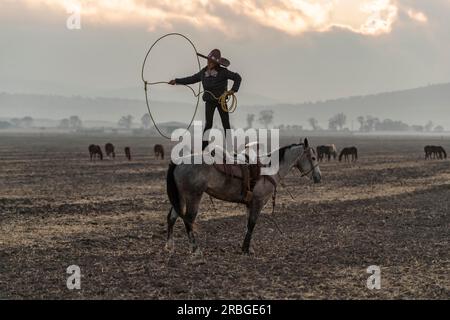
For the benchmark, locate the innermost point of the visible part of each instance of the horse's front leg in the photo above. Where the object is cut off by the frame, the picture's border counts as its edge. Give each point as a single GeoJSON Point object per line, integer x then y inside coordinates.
{"type": "Point", "coordinates": [254, 210]}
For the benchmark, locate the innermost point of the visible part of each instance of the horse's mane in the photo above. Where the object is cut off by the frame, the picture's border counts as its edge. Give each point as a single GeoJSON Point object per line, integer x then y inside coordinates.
{"type": "Point", "coordinates": [282, 150]}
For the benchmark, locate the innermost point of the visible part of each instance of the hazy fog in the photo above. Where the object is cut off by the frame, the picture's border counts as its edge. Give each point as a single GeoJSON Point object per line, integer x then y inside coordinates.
{"type": "Point", "coordinates": [392, 45]}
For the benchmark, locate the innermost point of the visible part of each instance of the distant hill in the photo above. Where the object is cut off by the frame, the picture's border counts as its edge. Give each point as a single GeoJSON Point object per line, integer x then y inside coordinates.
{"type": "Point", "coordinates": [414, 106]}
{"type": "Point", "coordinates": [98, 109]}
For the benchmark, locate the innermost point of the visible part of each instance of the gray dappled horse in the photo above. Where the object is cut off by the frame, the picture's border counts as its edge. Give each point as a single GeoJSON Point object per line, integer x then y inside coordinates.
{"type": "Point", "coordinates": [186, 183]}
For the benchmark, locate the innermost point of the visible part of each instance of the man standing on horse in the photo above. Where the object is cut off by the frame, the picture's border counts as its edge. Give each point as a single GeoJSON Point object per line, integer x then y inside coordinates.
{"type": "Point", "coordinates": [214, 78]}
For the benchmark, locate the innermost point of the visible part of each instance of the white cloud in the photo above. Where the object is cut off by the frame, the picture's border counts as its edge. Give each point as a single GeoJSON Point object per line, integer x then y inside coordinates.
{"type": "Point", "coordinates": [294, 17]}
{"type": "Point", "coordinates": [417, 16]}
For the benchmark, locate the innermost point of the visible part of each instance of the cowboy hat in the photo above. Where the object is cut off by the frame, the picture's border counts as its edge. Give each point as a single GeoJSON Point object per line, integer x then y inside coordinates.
{"type": "Point", "coordinates": [215, 56]}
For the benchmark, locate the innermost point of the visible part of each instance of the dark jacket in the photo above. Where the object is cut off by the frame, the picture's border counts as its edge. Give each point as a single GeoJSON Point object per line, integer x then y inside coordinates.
{"type": "Point", "coordinates": [217, 84]}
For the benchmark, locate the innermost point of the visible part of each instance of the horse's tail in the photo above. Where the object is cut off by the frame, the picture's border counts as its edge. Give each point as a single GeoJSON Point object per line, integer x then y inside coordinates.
{"type": "Point", "coordinates": [356, 154]}
{"type": "Point", "coordinates": [172, 190]}
{"type": "Point", "coordinates": [445, 153]}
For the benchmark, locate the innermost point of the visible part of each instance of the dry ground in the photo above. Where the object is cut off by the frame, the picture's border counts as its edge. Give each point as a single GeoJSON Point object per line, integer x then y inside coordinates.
{"type": "Point", "coordinates": [57, 208]}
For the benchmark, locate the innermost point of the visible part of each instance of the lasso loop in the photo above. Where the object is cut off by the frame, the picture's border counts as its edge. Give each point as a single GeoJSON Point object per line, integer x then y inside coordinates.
{"type": "Point", "coordinates": [146, 84]}
{"type": "Point", "coordinates": [223, 99]}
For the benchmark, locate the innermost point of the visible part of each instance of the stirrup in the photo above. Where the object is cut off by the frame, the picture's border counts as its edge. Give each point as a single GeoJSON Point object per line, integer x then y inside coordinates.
{"type": "Point", "coordinates": [248, 196]}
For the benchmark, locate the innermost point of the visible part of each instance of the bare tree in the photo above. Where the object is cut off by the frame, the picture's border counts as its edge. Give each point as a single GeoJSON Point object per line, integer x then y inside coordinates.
{"type": "Point", "coordinates": [75, 122]}
{"type": "Point", "coordinates": [332, 125]}
{"type": "Point", "coordinates": [337, 121]}
{"type": "Point", "coordinates": [146, 121]}
{"type": "Point", "coordinates": [266, 117]}
{"type": "Point", "coordinates": [371, 122]}
{"type": "Point", "coordinates": [362, 123]}
{"type": "Point", "coordinates": [314, 124]}
{"type": "Point", "coordinates": [126, 122]}
{"type": "Point", "coordinates": [429, 126]}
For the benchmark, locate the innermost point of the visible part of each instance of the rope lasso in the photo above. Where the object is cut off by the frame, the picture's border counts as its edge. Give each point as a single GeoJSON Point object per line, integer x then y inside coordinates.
{"type": "Point", "coordinates": [146, 84]}
{"type": "Point", "coordinates": [222, 100]}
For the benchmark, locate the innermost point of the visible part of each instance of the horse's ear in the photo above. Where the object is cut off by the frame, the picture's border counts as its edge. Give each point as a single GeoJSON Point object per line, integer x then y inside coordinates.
{"type": "Point", "coordinates": [306, 142]}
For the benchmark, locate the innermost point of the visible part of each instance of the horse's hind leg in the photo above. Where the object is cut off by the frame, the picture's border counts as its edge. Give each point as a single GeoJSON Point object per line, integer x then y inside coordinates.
{"type": "Point", "coordinates": [253, 212]}
{"type": "Point", "coordinates": [171, 219]}
{"type": "Point", "coordinates": [192, 206]}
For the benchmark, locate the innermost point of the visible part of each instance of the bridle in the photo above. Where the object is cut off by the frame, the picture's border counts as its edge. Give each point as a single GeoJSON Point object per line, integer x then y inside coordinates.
{"type": "Point", "coordinates": [307, 153]}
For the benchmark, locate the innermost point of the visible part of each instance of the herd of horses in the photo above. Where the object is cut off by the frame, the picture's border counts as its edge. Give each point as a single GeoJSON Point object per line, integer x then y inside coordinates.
{"type": "Point", "coordinates": [95, 151]}
{"type": "Point", "coordinates": [186, 183]}
{"type": "Point", "coordinates": [329, 151]}
{"type": "Point", "coordinates": [351, 153]}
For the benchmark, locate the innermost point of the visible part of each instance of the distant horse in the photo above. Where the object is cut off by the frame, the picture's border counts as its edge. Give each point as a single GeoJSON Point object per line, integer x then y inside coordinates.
{"type": "Point", "coordinates": [109, 149]}
{"type": "Point", "coordinates": [435, 152]}
{"type": "Point", "coordinates": [441, 152]}
{"type": "Point", "coordinates": [350, 151]}
{"type": "Point", "coordinates": [328, 150]}
{"type": "Point", "coordinates": [95, 151]}
{"type": "Point", "coordinates": [159, 151]}
{"type": "Point", "coordinates": [128, 153]}
{"type": "Point", "coordinates": [186, 184]}
{"type": "Point", "coordinates": [429, 152]}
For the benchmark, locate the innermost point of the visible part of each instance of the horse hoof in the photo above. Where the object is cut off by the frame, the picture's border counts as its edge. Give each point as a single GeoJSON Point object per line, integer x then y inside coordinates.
{"type": "Point", "coordinates": [248, 252]}
{"type": "Point", "coordinates": [169, 246]}
{"type": "Point", "coordinates": [197, 257]}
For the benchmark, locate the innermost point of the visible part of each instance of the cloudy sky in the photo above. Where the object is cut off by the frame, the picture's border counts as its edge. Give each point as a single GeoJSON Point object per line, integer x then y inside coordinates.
{"type": "Point", "coordinates": [285, 50]}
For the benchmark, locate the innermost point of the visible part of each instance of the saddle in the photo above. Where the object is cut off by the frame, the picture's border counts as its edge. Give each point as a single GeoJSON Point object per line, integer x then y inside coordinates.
{"type": "Point", "coordinates": [243, 169]}
{"type": "Point", "coordinates": [248, 173]}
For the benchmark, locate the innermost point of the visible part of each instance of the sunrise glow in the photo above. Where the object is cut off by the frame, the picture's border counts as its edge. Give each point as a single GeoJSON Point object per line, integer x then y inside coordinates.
{"type": "Point", "coordinates": [293, 17]}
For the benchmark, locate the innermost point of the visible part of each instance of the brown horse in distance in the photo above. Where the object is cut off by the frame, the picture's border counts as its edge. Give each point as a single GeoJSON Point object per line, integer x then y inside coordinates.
{"type": "Point", "coordinates": [326, 150]}
{"type": "Point", "coordinates": [128, 153]}
{"type": "Point", "coordinates": [159, 151]}
{"type": "Point", "coordinates": [109, 149]}
{"type": "Point", "coordinates": [95, 152]}
{"type": "Point", "coordinates": [349, 151]}
{"type": "Point", "coordinates": [435, 152]}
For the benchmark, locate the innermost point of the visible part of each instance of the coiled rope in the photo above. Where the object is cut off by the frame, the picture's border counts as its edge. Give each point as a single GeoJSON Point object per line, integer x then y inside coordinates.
{"type": "Point", "coordinates": [223, 100]}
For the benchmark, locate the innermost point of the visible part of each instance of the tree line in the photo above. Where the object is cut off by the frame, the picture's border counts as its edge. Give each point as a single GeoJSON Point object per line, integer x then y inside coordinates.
{"type": "Point", "coordinates": [337, 122]}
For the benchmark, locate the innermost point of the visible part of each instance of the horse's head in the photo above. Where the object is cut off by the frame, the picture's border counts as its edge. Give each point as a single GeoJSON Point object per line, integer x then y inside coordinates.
{"type": "Point", "coordinates": [307, 163]}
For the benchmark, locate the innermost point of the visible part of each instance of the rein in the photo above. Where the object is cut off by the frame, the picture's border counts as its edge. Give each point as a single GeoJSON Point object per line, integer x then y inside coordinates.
{"type": "Point", "coordinates": [303, 174]}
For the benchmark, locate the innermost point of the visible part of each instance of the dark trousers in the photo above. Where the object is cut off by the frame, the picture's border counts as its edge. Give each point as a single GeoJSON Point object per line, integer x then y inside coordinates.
{"type": "Point", "coordinates": [210, 108]}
